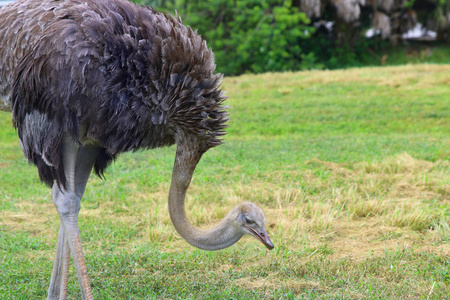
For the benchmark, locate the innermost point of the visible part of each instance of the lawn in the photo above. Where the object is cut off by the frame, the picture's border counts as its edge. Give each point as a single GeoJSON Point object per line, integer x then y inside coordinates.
{"type": "Point", "coordinates": [352, 169]}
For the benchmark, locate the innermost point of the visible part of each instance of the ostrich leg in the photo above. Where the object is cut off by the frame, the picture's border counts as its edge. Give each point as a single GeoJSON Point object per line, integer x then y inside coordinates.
{"type": "Point", "coordinates": [78, 162]}
{"type": "Point", "coordinates": [60, 268]}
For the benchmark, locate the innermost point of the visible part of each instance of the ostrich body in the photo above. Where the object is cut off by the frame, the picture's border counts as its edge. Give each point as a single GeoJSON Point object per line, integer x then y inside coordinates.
{"type": "Point", "coordinates": [87, 80]}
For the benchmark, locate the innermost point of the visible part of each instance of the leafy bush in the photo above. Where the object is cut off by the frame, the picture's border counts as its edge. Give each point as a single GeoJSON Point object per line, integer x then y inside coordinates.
{"type": "Point", "coordinates": [248, 36]}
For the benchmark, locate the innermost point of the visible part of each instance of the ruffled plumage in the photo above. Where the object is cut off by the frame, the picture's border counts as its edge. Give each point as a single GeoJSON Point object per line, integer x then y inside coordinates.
{"type": "Point", "coordinates": [122, 75]}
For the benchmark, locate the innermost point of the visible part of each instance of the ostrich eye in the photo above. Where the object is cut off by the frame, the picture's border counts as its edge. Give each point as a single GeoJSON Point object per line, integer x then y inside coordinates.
{"type": "Point", "coordinates": [249, 220]}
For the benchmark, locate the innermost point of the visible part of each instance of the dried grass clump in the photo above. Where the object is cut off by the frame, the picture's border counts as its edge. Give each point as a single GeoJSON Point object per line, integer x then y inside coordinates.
{"type": "Point", "coordinates": [369, 208]}
{"type": "Point", "coordinates": [413, 216]}
{"type": "Point", "coordinates": [403, 163]}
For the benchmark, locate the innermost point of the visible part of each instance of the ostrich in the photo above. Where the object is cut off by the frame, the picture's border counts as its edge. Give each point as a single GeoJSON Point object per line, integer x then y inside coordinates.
{"type": "Point", "coordinates": [88, 80]}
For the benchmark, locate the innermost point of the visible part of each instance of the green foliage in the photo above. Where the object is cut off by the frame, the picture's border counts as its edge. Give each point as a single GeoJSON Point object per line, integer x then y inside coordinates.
{"type": "Point", "coordinates": [270, 35]}
{"type": "Point", "coordinates": [248, 36]}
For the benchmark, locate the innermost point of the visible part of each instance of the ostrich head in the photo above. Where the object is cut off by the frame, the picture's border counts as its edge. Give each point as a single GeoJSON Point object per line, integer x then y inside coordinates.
{"type": "Point", "coordinates": [250, 220]}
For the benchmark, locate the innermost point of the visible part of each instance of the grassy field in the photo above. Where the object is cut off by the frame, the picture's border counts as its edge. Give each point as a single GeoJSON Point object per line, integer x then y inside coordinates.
{"type": "Point", "coordinates": [352, 169]}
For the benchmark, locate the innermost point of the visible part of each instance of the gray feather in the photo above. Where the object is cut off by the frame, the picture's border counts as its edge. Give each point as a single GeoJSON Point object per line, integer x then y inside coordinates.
{"type": "Point", "coordinates": [133, 77]}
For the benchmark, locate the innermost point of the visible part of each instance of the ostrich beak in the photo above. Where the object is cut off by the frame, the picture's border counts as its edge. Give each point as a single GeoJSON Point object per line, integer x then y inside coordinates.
{"type": "Point", "coordinates": [262, 236]}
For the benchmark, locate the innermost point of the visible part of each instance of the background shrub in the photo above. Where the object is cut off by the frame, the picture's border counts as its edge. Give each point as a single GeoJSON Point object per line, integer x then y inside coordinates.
{"type": "Point", "coordinates": [248, 36]}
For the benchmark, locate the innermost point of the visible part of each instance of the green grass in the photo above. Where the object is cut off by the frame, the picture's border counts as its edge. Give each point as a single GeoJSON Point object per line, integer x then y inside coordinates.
{"type": "Point", "coordinates": [351, 168]}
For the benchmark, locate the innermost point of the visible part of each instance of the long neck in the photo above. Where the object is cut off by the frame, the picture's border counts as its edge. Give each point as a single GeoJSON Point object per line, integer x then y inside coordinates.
{"type": "Point", "coordinates": [222, 235]}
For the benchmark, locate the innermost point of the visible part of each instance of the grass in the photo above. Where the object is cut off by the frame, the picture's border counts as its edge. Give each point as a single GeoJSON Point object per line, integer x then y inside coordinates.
{"type": "Point", "coordinates": [351, 168]}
